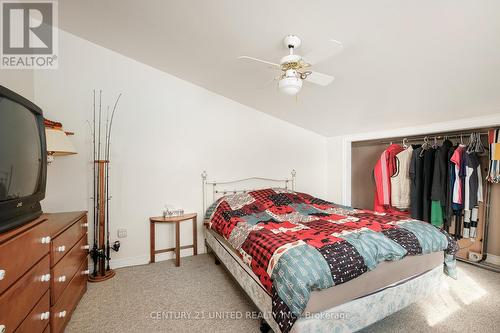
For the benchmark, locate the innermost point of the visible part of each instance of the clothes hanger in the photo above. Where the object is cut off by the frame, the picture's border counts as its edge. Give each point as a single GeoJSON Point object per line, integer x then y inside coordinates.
{"type": "Point", "coordinates": [461, 140]}
{"type": "Point", "coordinates": [435, 143]}
{"type": "Point", "coordinates": [405, 141]}
{"type": "Point", "coordinates": [472, 143]}
{"type": "Point", "coordinates": [480, 149]}
{"type": "Point", "coordinates": [475, 144]}
{"type": "Point", "coordinates": [425, 146]}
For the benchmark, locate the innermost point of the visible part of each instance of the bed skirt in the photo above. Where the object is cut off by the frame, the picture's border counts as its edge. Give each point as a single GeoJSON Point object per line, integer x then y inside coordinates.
{"type": "Point", "coordinates": [348, 317]}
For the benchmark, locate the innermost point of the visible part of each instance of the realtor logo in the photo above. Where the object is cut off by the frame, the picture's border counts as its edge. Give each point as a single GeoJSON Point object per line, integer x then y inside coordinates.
{"type": "Point", "coordinates": [29, 34]}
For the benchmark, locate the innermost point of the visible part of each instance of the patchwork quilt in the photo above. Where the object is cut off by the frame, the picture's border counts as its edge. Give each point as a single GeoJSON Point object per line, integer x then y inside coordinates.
{"type": "Point", "coordinates": [296, 243]}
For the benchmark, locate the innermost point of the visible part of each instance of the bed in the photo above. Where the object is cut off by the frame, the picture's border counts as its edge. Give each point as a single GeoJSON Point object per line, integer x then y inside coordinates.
{"type": "Point", "coordinates": [313, 266]}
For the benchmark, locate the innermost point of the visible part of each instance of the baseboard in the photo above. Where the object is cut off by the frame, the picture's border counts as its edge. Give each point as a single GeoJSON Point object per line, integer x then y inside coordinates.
{"type": "Point", "coordinates": [492, 259]}
{"type": "Point", "coordinates": [144, 259]}
{"type": "Point", "coordinates": [130, 261]}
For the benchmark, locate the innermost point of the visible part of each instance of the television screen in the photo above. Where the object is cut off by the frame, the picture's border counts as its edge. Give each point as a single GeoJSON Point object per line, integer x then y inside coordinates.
{"type": "Point", "coordinates": [20, 151]}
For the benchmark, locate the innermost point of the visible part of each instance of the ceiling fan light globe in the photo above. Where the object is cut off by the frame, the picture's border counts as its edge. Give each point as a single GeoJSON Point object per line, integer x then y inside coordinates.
{"type": "Point", "coordinates": [290, 85]}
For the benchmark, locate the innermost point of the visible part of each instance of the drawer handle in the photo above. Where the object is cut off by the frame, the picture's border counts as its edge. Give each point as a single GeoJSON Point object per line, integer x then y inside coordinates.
{"type": "Point", "coordinates": [45, 240]}
{"type": "Point", "coordinates": [45, 278]}
{"type": "Point", "coordinates": [61, 314]}
{"type": "Point", "coordinates": [2, 274]}
{"type": "Point", "coordinates": [3, 328]}
{"type": "Point", "coordinates": [45, 315]}
{"type": "Point", "coordinates": [61, 248]}
{"type": "Point", "coordinates": [85, 225]}
{"type": "Point", "coordinates": [62, 278]}
{"type": "Point", "coordinates": [86, 272]}
{"type": "Point", "coordinates": [86, 247]}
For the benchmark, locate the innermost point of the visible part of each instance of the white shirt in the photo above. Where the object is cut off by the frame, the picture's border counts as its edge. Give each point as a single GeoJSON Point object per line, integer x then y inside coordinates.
{"type": "Point", "coordinates": [400, 181]}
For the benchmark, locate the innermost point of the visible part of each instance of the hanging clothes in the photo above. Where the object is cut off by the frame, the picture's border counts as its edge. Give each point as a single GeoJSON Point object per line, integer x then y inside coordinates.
{"type": "Point", "coordinates": [440, 179]}
{"type": "Point", "coordinates": [473, 181]}
{"type": "Point", "coordinates": [473, 192]}
{"type": "Point", "coordinates": [458, 184]}
{"type": "Point", "coordinates": [416, 183]}
{"type": "Point", "coordinates": [427, 174]}
{"type": "Point", "coordinates": [383, 171]}
{"type": "Point", "coordinates": [473, 223]}
{"type": "Point", "coordinates": [400, 181]}
{"type": "Point", "coordinates": [494, 154]}
{"type": "Point", "coordinates": [437, 214]}
{"type": "Point", "coordinates": [458, 188]}
{"type": "Point", "coordinates": [448, 211]}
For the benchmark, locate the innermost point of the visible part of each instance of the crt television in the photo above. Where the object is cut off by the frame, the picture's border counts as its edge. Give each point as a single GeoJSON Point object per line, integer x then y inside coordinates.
{"type": "Point", "coordinates": [23, 160]}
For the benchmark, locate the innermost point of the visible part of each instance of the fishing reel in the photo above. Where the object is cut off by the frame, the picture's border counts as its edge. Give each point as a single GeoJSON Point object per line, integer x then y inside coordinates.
{"type": "Point", "coordinates": [116, 246]}
{"type": "Point", "coordinates": [96, 253]}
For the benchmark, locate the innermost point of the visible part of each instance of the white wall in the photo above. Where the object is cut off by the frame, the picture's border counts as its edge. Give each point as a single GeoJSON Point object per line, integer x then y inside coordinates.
{"type": "Point", "coordinates": [166, 132]}
{"type": "Point", "coordinates": [19, 81]}
{"type": "Point", "coordinates": [335, 165]}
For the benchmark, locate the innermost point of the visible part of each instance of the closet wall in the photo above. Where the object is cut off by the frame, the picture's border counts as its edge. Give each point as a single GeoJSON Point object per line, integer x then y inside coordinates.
{"type": "Point", "coordinates": [364, 155]}
{"type": "Point", "coordinates": [494, 235]}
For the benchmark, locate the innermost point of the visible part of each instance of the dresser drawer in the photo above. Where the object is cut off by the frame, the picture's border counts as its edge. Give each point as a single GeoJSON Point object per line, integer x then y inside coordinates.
{"type": "Point", "coordinates": [65, 241]}
{"type": "Point", "coordinates": [65, 269]}
{"type": "Point", "coordinates": [61, 312]}
{"type": "Point", "coordinates": [21, 297]}
{"type": "Point", "coordinates": [19, 254]}
{"type": "Point", "coordinates": [38, 319]}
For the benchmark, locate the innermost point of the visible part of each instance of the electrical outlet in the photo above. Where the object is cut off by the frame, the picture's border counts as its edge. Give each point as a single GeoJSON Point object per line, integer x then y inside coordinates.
{"type": "Point", "coordinates": [122, 233]}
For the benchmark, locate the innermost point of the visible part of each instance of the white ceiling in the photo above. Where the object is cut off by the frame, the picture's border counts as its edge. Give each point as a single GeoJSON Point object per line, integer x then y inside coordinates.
{"type": "Point", "coordinates": [405, 62]}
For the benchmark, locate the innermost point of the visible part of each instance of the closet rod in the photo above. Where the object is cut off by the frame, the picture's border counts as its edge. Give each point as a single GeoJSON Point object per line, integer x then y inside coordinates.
{"type": "Point", "coordinates": [431, 137]}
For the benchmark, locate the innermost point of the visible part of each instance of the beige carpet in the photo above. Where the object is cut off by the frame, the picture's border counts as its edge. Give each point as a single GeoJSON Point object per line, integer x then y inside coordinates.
{"type": "Point", "coordinates": [201, 297]}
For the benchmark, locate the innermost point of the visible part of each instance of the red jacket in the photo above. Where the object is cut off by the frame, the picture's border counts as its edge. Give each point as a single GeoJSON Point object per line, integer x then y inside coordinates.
{"type": "Point", "coordinates": [383, 171]}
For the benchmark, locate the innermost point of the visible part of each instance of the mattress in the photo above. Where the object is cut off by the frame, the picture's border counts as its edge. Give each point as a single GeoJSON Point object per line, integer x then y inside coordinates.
{"type": "Point", "coordinates": [296, 244]}
{"type": "Point", "coordinates": [386, 274]}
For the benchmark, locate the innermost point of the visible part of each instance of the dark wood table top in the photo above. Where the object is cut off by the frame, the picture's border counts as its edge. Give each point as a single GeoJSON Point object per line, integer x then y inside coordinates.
{"type": "Point", "coordinates": [161, 219]}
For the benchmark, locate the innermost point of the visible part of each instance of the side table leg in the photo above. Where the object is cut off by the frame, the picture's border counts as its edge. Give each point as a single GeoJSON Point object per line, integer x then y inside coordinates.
{"type": "Point", "coordinates": [195, 237]}
{"type": "Point", "coordinates": [177, 245]}
{"type": "Point", "coordinates": [152, 242]}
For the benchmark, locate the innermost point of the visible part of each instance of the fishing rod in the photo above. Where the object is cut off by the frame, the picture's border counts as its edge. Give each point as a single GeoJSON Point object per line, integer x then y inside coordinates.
{"type": "Point", "coordinates": [106, 189]}
{"type": "Point", "coordinates": [99, 253]}
{"type": "Point", "coordinates": [107, 181]}
{"type": "Point", "coordinates": [101, 153]}
{"type": "Point", "coordinates": [94, 248]}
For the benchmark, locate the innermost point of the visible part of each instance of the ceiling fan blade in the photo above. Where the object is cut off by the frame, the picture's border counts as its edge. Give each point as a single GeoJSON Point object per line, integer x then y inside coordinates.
{"type": "Point", "coordinates": [272, 64]}
{"type": "Point", "coordinates": [324, 52]}
{"type": "Point", "coordinates": [319, 78]}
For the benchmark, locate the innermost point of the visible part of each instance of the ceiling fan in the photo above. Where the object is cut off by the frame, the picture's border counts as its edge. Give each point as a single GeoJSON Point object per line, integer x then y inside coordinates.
{"type": "Point", "coordinates": [295, 69]}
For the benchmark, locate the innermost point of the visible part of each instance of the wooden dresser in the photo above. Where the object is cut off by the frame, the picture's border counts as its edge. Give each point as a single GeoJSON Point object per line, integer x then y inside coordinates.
{"type": "Point", "coordinates": [43, 272]}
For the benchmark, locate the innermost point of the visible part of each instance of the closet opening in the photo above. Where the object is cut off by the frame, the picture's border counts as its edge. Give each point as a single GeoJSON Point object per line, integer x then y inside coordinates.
{"type": "Point", "coordinates": [480, 246]}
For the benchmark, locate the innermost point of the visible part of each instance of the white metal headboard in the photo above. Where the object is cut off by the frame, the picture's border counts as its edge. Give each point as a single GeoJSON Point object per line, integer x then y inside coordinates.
{"type": "Point", "coordinates": [221, 188]}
